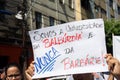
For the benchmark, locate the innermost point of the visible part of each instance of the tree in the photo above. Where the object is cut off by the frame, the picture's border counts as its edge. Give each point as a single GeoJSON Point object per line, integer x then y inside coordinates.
{"type": "Point", "coordinates": [111, 27]}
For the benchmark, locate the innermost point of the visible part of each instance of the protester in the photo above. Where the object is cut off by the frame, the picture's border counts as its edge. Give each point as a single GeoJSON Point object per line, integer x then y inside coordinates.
{"type": "Point", "coordinates": [113, 66]}
{"type": "Point", "coordinates": [13, 72]}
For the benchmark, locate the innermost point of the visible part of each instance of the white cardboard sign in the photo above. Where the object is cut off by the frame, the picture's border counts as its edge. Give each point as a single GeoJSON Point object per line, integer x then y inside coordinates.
{"type": "Point", "coordinates": [70, 48]}
{"type": "Point", "coordinates": [116, 46]}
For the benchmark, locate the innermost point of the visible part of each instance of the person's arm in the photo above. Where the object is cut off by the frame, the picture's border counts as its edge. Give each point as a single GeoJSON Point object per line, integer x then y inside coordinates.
{"type": "Point", "coordinates": [113, 66]}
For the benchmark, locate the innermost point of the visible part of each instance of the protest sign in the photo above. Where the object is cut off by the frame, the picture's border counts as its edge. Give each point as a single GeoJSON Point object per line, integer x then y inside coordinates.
{"type": "Point", "coordinates": [116, 46]}
{"type": "Point", "coordinates": [70, 48]}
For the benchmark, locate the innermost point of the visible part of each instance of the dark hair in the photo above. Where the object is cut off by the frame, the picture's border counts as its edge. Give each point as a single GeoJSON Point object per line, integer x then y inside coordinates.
{"type": "Point", "coordinates": [13, 65]}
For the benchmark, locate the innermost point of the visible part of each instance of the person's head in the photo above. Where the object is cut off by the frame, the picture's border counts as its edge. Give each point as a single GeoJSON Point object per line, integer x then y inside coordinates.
{"type": "Point", "coordinates": [13, 72]}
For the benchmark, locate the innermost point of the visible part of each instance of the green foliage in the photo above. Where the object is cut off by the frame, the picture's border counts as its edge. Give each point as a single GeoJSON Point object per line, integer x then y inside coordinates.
{"type": "Point", "coordinates": [112, 27]}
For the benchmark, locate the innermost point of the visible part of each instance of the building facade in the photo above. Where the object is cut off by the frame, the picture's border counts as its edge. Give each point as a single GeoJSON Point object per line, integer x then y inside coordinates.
{"type": "Point", "coordinates": [106, 9]}
{"type": "Point", "coordinates": [50, 14]}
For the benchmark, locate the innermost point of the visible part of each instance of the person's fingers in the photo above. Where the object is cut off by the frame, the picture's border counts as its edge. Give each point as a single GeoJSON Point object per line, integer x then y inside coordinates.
{"type": "Point", "coordinates": [31, 69]}
{"type": "Point", "coordinates": [30, 72]}
{"type": "Point", "coordinates": [113, 64]}
{"type": "Point", "coordinates": [116, 66]}
{"type": "Point", "coordinates": [106, 55]}
{"type": "Point", "coordinates": [28, 76]}
{"type": "Point", "coordinates": [110, 61]}
{"type": "Point", "coordinates": [108, 58]}
{"type": "Point", "coordinates": [32, 65]}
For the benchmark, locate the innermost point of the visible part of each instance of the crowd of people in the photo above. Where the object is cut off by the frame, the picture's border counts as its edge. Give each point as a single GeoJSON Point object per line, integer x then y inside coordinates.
{"type": "Point", "coordinates": [13, 71]}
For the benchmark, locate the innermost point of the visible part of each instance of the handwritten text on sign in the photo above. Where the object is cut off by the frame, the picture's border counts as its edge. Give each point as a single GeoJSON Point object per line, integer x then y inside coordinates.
{"type": "Point", "coordinates": [75, 47]}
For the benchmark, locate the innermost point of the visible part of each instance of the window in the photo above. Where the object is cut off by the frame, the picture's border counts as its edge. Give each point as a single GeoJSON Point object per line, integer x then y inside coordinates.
{"type": "Point", "coordinates": [52, 0]}
{"type": "Point", "coordinates": [71, 4]}
{"type": "Point", "coordinates": [111, 3]}
{"type": "Point", "coordinates": [61, 1]}
{"type": "Point", "coordinates": [38, 18]}
{"type": "Point", "coordinates": [118, 10]}
{"type": "Point", "coordinates": [2, 7]}
{"type": "Point", "coordinates": [103, 11]}
{"type": "Point", "coordinates": [85, 4]}
{"type": "Point", "coordinates": [96, 8]}
{"type": "Point", "coordinates": [51, 21]}
{"type": "Point", "coordinates": [62, 22]}
{"type": "Point", "coordinates": [112, 16]}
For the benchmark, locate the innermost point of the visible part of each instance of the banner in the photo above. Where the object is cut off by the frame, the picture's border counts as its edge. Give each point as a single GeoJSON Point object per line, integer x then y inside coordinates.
{"type": "Point", "coordinates": [70, 48]}
{"type": "Point", "coordinates": [116, 47]}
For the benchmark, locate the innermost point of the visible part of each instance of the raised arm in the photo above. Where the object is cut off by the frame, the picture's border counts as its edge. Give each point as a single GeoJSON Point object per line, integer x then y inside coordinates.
{"type": "Point", "coordinates": [113, 66]}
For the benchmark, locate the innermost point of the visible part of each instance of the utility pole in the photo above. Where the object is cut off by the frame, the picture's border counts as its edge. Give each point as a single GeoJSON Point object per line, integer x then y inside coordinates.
{"type": "Point", "coordinates": [24, 53]}
{"type": "Point", "coordinates": [24, 28]}
{"type": "Point", "coordinates": [92, 6]}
